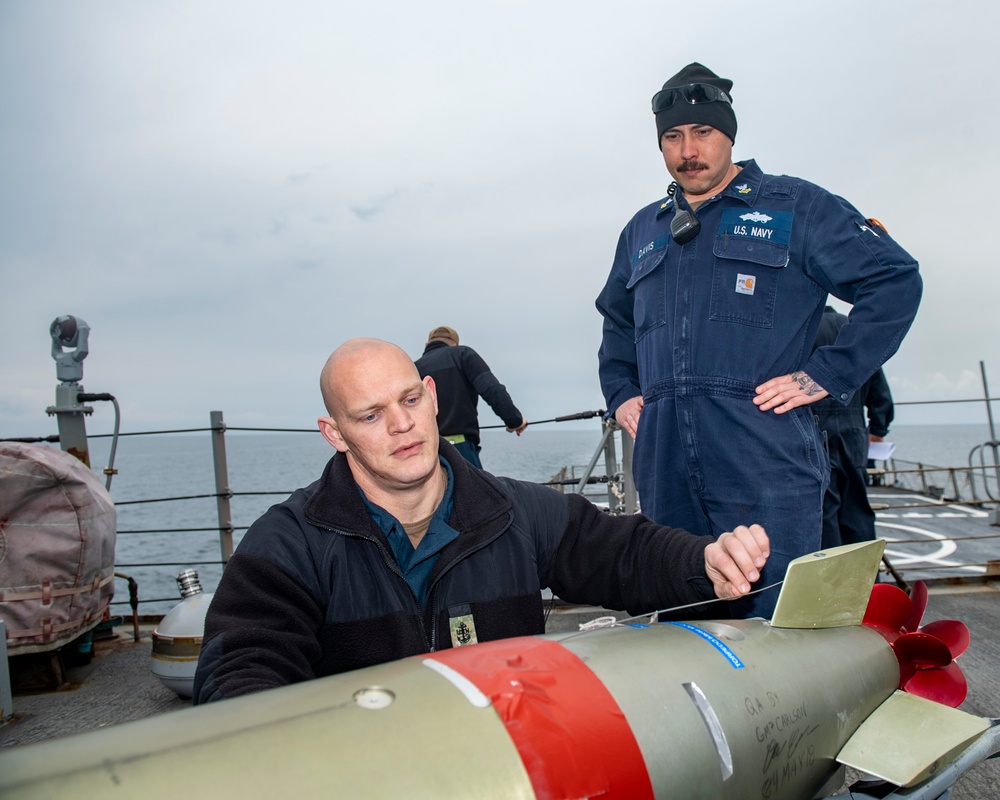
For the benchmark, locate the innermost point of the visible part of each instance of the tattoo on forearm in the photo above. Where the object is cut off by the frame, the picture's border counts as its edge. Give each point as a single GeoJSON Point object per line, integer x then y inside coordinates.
{"type": "Point", "coordinates": [806, 384]}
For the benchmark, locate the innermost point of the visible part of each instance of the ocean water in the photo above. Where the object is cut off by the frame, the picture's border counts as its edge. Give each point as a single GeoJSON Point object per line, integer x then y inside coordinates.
{"type": "Point", "coordinates": [263, 468]}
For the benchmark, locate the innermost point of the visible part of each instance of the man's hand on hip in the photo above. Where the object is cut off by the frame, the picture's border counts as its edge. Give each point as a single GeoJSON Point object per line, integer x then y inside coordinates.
{"type": "Point", "coordinates": [627, 414]}
{"type": "Point", "coordinates": [788, 392]}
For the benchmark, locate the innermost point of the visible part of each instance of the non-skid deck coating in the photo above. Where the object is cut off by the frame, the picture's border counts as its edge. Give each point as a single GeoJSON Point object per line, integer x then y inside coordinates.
{"type": "Point", "coordinates": [117, 686]}
{"type": "Point", "coordinates": [979, 608]}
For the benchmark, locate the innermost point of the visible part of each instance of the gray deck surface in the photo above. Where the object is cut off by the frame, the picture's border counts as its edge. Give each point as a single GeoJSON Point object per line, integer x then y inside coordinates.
{"type": "Point", "coordinates": [980, 610]}
{"type": "Point", "coordinates": [116, 687]}
{"type": "Point", "coordinates": [935, 541]}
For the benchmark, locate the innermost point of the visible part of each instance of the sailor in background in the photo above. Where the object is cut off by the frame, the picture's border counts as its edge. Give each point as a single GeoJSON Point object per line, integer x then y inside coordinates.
{"type": "Point", "coordinates": [710, 313]}
{"type": "Point", "coordinates": [847, 515]}
{"type": "Point", "coordinates": [462, 377]}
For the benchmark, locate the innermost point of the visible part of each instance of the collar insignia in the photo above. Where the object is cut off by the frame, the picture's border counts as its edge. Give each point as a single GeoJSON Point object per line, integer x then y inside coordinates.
{"type": "Point", "coordinates": [743, 188]}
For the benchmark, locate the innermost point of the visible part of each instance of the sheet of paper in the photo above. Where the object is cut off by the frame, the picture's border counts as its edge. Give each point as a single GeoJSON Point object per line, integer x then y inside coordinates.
{"type": "Point", "coordinates": [880, 451]}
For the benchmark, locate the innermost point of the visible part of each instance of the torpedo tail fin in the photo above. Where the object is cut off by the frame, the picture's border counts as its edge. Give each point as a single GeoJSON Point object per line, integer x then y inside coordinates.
{"type": "Point", "coordinates": [908, 739]}
{"type": "Point", "coordinates": [829, 588]}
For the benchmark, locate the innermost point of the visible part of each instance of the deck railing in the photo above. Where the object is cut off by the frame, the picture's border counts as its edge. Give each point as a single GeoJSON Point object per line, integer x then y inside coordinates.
{"type": "Point", "coordinates": [606, 479]}
{"type": "Point", "coordinates": [611, 487]}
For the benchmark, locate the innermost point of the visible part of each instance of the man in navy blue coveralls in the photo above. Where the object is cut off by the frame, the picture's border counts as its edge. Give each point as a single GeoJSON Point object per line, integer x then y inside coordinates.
{"type": "Point", "coordinates": [708, 331]}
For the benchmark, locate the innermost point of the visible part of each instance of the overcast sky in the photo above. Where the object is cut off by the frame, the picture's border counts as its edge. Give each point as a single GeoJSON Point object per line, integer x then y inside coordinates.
{"type": "Point", "coordinates": [225, 191]}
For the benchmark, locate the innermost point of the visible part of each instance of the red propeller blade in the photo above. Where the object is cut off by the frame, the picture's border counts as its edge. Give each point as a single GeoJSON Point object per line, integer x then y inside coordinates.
{"type": "Point", "coordinates": [888, 608]}
{"type": "Point", "coordinates": [953, 633]}
{"type": "Point", "coordinates": [918, 597]}
{"type": "Point", "coordinates": [925, 655]}
{"type": "Point", "coordinates": [921, 650]}
{"type": "Point", "coordinates": [946, 685]}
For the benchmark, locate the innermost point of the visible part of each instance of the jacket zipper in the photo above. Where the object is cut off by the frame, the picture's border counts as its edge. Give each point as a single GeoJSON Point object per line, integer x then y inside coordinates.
{"type": "Point", "coordinates": [394, 567]}
{"type": "Point", "coordinates": [429, 641]}
{"type": "Point", "coordinates": [433, 591]}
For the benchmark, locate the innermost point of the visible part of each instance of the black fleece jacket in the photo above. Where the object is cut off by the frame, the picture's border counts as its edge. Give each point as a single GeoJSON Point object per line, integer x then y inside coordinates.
{"type": "Point", "coordinates": [314, 589]}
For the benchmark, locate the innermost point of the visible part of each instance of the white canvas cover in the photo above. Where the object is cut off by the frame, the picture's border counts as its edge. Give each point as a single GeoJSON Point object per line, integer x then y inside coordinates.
{"type": "Point", "coordinates": [57, 547]}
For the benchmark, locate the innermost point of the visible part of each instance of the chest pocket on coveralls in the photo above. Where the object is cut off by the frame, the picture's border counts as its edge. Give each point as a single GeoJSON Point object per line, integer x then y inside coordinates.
{"type": "Point", "coordinates": [749, 260]}
{"type": "Point", "coordinates": [648, 286]}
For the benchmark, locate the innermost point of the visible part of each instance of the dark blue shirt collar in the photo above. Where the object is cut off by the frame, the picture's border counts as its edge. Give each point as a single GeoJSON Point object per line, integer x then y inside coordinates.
{"type": "Point", "coordinates": [416, 563]}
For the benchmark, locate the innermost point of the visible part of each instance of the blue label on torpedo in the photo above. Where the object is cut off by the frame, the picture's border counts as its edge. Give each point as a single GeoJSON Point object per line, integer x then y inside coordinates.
{"type": "Point", "coordinates": [731, 657]}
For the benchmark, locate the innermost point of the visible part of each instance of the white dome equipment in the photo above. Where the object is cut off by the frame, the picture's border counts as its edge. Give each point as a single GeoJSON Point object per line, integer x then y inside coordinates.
{"type": "Point", "coordinates": [177, 639]}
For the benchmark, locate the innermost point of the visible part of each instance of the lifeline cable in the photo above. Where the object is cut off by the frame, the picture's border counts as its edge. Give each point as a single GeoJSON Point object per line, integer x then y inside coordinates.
{"type": "Point", "coordinates": [602, 622]}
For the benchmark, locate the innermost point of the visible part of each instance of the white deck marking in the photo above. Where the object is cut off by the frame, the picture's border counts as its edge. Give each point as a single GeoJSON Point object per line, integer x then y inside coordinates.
{"type": "Point", "coordinates": [946, 547]}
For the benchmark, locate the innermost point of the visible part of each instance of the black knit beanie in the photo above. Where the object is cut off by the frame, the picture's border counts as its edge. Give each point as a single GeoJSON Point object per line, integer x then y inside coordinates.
{"type": "Point", "coordinates": [719, 115]}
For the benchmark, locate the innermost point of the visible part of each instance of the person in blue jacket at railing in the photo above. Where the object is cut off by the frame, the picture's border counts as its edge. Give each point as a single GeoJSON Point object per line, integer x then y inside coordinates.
{"type": "Point", "coordinates": [710, 312]}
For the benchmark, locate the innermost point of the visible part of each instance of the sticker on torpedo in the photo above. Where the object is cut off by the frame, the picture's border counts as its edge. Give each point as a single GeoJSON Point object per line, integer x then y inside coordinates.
{"type": "Point", "coordinates": [718, 644]}
{"type": "Point", "coordinates": [760, 224]}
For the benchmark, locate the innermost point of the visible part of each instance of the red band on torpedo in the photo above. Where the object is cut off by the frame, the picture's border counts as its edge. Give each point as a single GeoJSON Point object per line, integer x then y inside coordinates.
{"type": "Point", "coordinates": [573, 738]}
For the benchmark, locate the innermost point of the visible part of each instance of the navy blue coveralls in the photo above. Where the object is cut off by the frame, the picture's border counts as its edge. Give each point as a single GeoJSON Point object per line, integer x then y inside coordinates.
{"type": "Point", "coordinates": [694, 328]}
{"type": "Point", "coordinates": [847, 514]}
